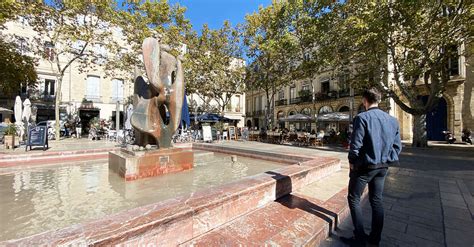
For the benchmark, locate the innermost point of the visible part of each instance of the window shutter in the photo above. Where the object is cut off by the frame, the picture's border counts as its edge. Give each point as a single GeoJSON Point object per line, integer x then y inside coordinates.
{"type": "Point", "coordinates": [114, 88]}
{"type": "Point", "coordinates": [93, 90]}
{"type": "Point", "coordinates": [120, 89]}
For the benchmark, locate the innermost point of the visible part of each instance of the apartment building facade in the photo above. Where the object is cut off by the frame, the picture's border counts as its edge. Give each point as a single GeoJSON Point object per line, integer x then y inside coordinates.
{"type": "Point", "coordinates": [325, 94]}
{"type": "Point", "coordinates": [312, 98]}
{"type": "Point", "coordinates": [89, 94]}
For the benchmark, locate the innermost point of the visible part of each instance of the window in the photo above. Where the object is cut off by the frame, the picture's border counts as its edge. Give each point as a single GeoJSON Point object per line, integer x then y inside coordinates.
{"type": "Point", "coordinates": [49, 87]}
{"type": "Point", "coordinates": [24, 89]}
{"type": "Point", "coordinates": [306, 56]}
{"type": "Point", "coordinates": [305, 87]}
{"type": "Point", "coordinates": [101, 53]}
{"type": "Point", "coordinates": [292, 92]}
{"type": "Point", "coordinates": [281, 94]}
{"type": "Point", "coordinates": [117, 90]}
{"type": "Point", "coordinates": [22, 46]}
{"type": "Point", "coordinates": [325, 87]}
{"type": "Point", "coordinates": [92, 88]}
{"type": "Point", "coordinates": [237, 103]}
{"type": "Point", "coordinates": [344, 82]}
{"type": "Point", "coordinates": [453, 61]}
{"type": "Point", "coordinates": [49, 51]}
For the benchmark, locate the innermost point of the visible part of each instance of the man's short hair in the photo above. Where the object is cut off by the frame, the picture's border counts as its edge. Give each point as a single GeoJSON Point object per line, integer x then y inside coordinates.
{"type": "Point", "coordinates": [372, 95]}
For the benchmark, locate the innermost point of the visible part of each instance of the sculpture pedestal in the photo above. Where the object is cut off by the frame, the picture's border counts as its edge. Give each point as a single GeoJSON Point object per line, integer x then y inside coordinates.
{"type": "Point", "coordinates": [133, 165]}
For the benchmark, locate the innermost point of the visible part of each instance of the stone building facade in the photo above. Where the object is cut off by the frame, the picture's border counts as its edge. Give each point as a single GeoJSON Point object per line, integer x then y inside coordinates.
{"type": "Point", "coordinates": [88, 94]}
{"type": "Point", "coordinates": [455, 111]}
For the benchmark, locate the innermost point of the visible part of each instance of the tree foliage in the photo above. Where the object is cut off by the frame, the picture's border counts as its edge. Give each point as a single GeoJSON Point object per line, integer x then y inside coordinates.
{"type": "Point", "coordinates": [142, 19]}
{"type": "Point", "coordinates": [214, 67]}
{"type": "Point", "coordinates": [270, 47]}
{"type": "Point", "coordinates": [405, 48]}
{"type": "Point", "coordinates": [68, 32]}
{"type": "Point", "coordinates": [17, 70]}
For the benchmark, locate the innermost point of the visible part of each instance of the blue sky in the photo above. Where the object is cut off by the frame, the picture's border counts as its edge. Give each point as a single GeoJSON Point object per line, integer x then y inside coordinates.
{"type": "Point", "coordinates": [215, 12]}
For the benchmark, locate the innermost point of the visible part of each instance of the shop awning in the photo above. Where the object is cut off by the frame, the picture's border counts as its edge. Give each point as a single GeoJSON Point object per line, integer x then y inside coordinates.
{"type": "Point", "coordinates": [333, 117]}
{"type": "Point", "coordinates": [297, 118]}
{"type": "Point", "coordinates": [5, 110]}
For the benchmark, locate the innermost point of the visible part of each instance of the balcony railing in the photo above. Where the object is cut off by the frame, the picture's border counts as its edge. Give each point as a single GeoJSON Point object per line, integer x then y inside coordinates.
{"type": "Point", "coordinates": [280, 102]}
{"type": "Point", "coordinates": [296, 100]}
{"type": "Point", "coordinates": [259, 113]}
{"type": "Point", "coordinates": [116, 99]}
{"type": "Point", "coordinates": [93, 98]}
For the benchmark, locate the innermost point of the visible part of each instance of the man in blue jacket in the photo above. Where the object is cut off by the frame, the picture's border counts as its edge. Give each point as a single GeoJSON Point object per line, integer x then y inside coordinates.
{"type": "Point", "coordinates": [375, 145]}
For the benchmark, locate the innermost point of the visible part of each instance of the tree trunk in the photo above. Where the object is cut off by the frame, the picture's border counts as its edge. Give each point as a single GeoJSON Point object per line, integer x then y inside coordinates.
{"type": "Point", "coordinates": [56, 107]}
{"type": "Point", "coordinates": [419, 131]}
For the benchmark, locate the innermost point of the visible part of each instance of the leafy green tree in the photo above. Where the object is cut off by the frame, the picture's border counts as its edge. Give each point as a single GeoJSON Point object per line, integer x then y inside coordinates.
{"type": "Point", "coordinates": [308, 32]}
{"type": "Point", "coordinates": [16, 69]}
{"type": "Point", "coordinates": [405, 48]}
{"type": "Point", "coordinates": [71, 32]}
{"type": "Point", "coordinates": [142, 19]}
{"type": "Point", "coordinates": [270, 47]}
{"type": "Point", "coordinates": [214, 67]}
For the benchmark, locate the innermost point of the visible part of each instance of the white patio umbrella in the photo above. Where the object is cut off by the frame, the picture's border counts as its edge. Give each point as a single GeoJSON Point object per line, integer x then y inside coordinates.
{"type": "Point", "coordinates": [26, 110]}
{"type": "Point", "coordinates": [18, 109]}
{"type": "Point", "coordinates": [5, 110]}
{"type": "Point", "coordinates": [18, 114]}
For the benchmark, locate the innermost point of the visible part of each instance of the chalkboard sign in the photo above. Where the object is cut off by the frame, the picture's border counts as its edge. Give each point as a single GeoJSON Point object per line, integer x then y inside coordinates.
{"type": "Point", "coordinates": [232, 133]}
{"type": "Point", "coordinates": [38, 136]}
{"type": "Point", "coordinates": [206, 133]}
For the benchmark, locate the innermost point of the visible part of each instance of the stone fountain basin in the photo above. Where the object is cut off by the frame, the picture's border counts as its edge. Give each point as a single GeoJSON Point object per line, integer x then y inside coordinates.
{"type": "Point", "coordinates": [183, 218]}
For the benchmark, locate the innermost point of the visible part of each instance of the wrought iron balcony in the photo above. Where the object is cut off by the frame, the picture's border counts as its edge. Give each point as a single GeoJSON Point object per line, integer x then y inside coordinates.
{"type": "Point", "coordinates": [295, 100]}
{"type": "Point", "coordinates": [280, 102]}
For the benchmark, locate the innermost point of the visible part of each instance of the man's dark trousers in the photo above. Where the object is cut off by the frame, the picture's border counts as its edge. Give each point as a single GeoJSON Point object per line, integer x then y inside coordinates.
{"type": "Point", "coordinates": [358, 180]}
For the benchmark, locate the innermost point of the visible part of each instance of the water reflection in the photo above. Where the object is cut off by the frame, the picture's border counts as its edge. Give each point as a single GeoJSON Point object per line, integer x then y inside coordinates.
{"type": "Point", "coordinates": [50, 198]}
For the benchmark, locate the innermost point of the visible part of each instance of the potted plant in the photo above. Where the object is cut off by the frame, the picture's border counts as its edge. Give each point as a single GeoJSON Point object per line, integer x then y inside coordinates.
{"type": "Point", "coordinates": [10, 133]}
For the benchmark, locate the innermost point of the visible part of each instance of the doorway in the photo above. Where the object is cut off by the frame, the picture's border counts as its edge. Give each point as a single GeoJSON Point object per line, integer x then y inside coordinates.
{"type": "Point", "coordinates": [436, 120]}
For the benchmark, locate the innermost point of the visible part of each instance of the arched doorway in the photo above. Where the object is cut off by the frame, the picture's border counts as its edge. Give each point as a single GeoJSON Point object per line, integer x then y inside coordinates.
{"type": "Point", "coordinates": [325, 109]}
{"type": "Point", "coordinates": [344, 109]}
{"type": "Point", "coordinates": [436, 120]}
{"type": "Point", "coordinates": [249, 123]}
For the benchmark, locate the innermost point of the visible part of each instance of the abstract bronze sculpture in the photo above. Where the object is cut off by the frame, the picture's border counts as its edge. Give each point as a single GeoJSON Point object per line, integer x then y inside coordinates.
{"type": "Point", "coordinates": [156, 116]}
{"type": "Point", "coordinates": [158, 103]}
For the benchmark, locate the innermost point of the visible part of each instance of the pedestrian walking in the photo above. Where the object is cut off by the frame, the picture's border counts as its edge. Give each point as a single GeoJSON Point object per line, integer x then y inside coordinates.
{"type": "Point", "coordinates": [375, 145]}
{"type": "Point", "coordinates": [78, 127]}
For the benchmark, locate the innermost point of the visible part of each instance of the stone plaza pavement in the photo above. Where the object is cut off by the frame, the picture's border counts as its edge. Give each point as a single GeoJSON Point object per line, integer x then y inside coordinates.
{"type": "Point", "coordinates": [69, 144]}
{"type": "Point", "coordinates": [428, 198]}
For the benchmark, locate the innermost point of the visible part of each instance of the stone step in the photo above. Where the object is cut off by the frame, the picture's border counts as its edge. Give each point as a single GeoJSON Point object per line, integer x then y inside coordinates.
{"type": "Point", "coordinates": [294, 220]}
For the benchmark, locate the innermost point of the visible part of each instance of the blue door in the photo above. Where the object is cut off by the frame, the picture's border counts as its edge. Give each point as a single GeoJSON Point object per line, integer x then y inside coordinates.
{"type": "Point", "coordinates": [436, 120]}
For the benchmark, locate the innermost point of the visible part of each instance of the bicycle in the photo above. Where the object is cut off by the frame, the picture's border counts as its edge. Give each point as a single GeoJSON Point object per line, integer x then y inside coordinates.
{"type": "Point", "coordinates": [126, 137]}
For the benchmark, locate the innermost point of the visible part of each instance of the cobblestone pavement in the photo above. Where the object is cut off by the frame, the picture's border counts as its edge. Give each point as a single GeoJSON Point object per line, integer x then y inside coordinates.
{"type": "Point", "coordinates": [428, 198]}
